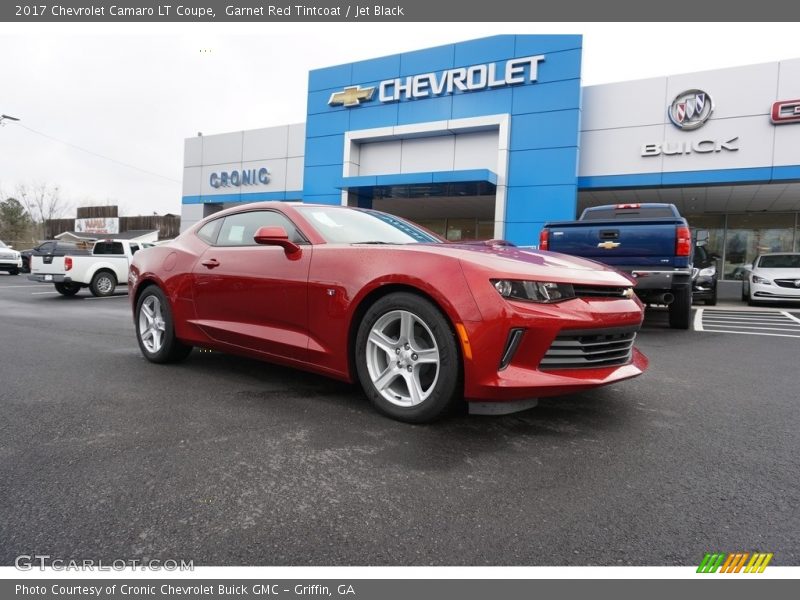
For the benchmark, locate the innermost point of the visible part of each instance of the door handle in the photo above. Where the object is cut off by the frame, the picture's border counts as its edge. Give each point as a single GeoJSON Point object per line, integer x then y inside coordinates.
{"type": "Point", "coordinates": [210, 263]}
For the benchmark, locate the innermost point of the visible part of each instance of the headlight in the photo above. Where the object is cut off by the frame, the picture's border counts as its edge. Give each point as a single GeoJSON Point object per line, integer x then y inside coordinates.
{"type": "Point", "coordinates": [708, 271]}
{"type": "Point", "coordinates": [533, 291]}
{"type": "Point", "coordinates": [761, 280]}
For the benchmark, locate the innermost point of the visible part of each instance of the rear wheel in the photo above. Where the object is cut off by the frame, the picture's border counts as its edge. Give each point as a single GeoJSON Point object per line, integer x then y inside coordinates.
{"type": "Point", "coordinates": [155, 330]}
{"type": "Point", "coordinates": [407, 359]}
{"type": "Point", "coordinates": [103, 284]}
{"type": "Point", "coordinates": [680, 311]}
{"type": "Point", "coordinates": [67, 289]}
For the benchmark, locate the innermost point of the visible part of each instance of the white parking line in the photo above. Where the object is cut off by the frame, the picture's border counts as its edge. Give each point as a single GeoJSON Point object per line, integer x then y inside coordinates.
{"type": "Point", "coordinates": [698, 320]}
{"type": "Point", "coordinates": [790, 316]}
{"type": "Point", "coordinates": [748, 323]}
{"type": "Point", "coordinates": [104, 297]}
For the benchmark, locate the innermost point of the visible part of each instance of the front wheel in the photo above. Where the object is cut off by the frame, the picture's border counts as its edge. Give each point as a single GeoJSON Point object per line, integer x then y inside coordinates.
{"type": "Point", "coordinates": [155, 330]}
{"type": "Point", "coordinates": [407, 359]}
{"type": "Point", "coordinates": [713, 300]}
{"type": "Point", "coordinates": [14, 272]}
{"type": "Point", "coordinates": [680, 311]}
{"type": "Point", "coordinates": [67, 289]}
{"type": "Point", "coordinates": [103, 284]}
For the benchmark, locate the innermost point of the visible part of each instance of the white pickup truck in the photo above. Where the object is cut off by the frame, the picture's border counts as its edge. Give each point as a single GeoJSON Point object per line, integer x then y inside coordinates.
{"type": "Point", "coordinates": [101, 271]}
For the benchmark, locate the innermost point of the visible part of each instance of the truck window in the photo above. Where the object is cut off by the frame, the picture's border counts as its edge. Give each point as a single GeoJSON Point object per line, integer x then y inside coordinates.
{"type": "Point", "coordinates": [611, 213]}
{"type": "Point", "coordinates": [109, 248]}
{"type": "Point", "coordinates": [134, 248]}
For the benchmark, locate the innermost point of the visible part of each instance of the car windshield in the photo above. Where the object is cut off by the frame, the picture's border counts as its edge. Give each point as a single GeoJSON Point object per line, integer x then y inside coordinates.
{"type": "Point", "coordinates": [780, 261]}
{"type": "Point", "coordinates": [2, 245]}
{"type": "Point", "coordinates": [341, 225]}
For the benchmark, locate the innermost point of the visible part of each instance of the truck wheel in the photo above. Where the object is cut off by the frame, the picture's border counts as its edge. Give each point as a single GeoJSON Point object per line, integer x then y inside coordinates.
{"type": "Point", "coordinates": [680, 311]}
{"type": "Point", "coordinates": [67, 289]}
{"type": "Point", "coordinates": [155, 329]}
{"type": "Point", "coordinates": [103, 284]}
{"type": "Point", "coordinates": [14, 272]}
{"type": "Point", "coordinates": [407, 359]}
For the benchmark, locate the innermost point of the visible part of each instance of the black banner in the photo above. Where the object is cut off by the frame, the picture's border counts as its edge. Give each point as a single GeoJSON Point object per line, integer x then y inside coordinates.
{"type": "Point", "coordinates": [392, 589]}
{"type": "Point", "coordinates": [249, 11]}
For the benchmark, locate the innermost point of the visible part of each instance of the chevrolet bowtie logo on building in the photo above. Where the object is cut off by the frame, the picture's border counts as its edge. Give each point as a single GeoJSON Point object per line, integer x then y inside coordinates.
{"type": "Point", "coordinates": [734, 562]}
{"type": "Point", "coordinates": [608, 245]}
{"type": "Point", "coordinates": [352, 95]}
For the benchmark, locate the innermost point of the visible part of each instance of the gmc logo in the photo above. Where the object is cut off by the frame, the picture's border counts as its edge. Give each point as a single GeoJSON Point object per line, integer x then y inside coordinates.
{"type": "Point", "coordinates": [785, 111]}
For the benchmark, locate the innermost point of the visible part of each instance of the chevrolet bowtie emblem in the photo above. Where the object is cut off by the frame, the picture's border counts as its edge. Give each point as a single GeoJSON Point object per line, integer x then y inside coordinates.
{"type": "Point", "coordinates": [352, 95]}
{"type": "Point", "coordinates": [608, 245]}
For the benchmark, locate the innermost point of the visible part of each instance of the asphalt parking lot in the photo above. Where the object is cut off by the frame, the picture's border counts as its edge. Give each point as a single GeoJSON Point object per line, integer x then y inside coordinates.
{"type": "Point", "coordinates": [227, 461]}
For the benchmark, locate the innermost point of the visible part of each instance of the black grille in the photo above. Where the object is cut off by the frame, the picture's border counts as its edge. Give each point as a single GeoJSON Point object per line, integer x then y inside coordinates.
{"type": "Point", "coordinates": [589, 349]}
{"type": "Point", "coordinates": [786, 283]}
{"type": "Point", "coordinates": [599, 291]}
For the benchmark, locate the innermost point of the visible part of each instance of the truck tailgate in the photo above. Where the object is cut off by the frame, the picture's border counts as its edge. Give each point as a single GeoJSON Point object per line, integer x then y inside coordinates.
{"type": "Point", "coordinates": [47, 265]}
{"type": "Point", "coordinates": [645, 243]}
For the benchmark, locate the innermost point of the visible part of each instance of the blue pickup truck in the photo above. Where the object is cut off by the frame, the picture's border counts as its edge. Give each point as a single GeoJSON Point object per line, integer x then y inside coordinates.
{"type": "Point", "coordinates": [650, 242]}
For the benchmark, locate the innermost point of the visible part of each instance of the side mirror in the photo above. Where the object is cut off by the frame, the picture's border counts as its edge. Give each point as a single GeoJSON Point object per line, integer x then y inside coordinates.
{"type": "Point", "coordinates": [702, 236]}
{"type": "Point", "coordinates": [748, 267]}
{"type": "Point", "coordinates": [276, 236]}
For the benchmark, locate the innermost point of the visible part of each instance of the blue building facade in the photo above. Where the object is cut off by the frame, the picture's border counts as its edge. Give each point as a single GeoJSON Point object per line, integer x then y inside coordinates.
{"type": "Point", "coordinates": [539, 95]}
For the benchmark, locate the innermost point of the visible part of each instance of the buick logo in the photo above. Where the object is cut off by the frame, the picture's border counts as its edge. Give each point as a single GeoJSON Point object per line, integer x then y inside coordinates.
{"type": "Point", "coordinates": [690, 109]}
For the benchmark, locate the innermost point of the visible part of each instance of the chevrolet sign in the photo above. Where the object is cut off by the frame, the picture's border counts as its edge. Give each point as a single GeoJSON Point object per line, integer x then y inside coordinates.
{"type": "Point", "coordinates": [462, 79]}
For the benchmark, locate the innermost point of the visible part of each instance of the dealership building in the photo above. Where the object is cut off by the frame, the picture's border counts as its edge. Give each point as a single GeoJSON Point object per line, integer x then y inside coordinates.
{"type": "Point", "coordinates": [491, 138]}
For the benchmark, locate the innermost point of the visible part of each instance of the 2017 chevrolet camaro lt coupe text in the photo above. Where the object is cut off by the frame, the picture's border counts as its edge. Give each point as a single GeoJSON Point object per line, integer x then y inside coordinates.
{"type": "Point", "coordinates": [360, 295]}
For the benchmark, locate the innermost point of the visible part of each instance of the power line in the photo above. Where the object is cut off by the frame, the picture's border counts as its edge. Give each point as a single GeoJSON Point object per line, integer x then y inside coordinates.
{"type": "Point", "coordinates": [108, 158]}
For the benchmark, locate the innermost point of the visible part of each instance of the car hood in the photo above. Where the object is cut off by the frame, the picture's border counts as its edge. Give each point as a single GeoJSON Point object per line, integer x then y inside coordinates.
{"type": "Point", "coordinates": [512, 261]}
{"type": "Point", "coordinates": [778, 273]}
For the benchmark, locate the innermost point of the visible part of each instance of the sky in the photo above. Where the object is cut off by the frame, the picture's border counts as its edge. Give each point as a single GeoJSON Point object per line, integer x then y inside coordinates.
{"type": "Point", "coordinates": [104, 108]}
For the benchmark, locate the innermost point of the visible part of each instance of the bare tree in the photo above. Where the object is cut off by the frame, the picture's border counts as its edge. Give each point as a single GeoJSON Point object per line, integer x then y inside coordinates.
{"type": "Point", "coordinates": [43, 203]}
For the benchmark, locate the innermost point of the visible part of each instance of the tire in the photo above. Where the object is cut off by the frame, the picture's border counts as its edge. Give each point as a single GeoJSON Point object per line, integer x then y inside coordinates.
{"type": "Point", "coordinates": [67, 289]}
{"type": "Point", "coordinates": [155, 331]}
{"type": "Point", "coordinates": [680, 311]}
{"type": "Point", "coordinates": [713, 300]}
{"type": "Point", "coordinates": [407, 359]}
{"type": "Point", "coordinates": [103, 284]}
{"type": "Point", "coordinates": [14, 272]}
{"type": "Point", "coordinates": [745, 294]}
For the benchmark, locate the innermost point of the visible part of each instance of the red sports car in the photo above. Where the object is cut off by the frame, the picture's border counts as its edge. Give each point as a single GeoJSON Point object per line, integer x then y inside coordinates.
{"type": "Point", "coordinates": [362, 295]}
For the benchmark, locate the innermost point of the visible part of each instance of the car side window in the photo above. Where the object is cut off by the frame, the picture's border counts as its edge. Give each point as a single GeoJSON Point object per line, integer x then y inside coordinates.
{"type": "Point", "coordinates": [208, 232]}
{"type": "Point", "coordinates": [134, 248]}
{"type": "Point", "coordinates": [239, 229]}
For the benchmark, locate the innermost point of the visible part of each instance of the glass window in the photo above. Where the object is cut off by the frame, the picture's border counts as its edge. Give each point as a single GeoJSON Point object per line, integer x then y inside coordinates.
{"type": "Point", "coordinates": [208, 232]}
{"type": "Point", "coordinates": [715, 226]}
{"type": "Point", "coordinates": [753, 234]}
{"type": "Point", "coordinates": [780, 261]}
{"type": "Point", "coordinates": [108, 248]}
{"type": "Point", "coordinates": [485, 230]}
{"type": "Point", "coordinates": [461, 229]}
{"type": "Point", "coordinates": [354, 226]}
{"type": "Point", "coordinates": [134, 248]}
{"type": "Point", "coordinates": [437, 226]}
{"type": "Point", "coordinates": [239, 229]}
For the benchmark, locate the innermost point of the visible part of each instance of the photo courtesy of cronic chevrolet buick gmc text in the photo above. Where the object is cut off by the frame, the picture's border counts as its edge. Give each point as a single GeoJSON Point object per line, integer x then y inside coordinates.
{"type": "Point", "coordinates": [650, 242]}
{"type": "Point", "coordinates": [361, 295]}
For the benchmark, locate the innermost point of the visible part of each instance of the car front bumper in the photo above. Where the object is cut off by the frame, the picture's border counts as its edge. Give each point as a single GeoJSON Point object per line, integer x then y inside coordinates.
{"type": "Point", "coordinates": [10, 263]}
{"type": "Point", "coordinates": [774, 293]}
{"type": "Point", "coordinates": [570, 329]}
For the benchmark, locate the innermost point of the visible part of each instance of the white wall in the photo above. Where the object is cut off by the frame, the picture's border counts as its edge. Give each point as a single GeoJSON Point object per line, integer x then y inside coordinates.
{"type": "Point", "coordinates": [618, 119]}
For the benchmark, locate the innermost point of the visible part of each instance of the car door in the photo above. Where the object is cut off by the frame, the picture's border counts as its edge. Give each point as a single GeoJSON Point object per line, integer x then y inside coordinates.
{"type": "Point", "coordinates": [254, 296]}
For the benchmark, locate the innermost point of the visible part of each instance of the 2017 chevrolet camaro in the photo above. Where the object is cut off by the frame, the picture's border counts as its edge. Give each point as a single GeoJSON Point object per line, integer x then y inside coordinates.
{"type": "Point", "coordinates": [360, 295]}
